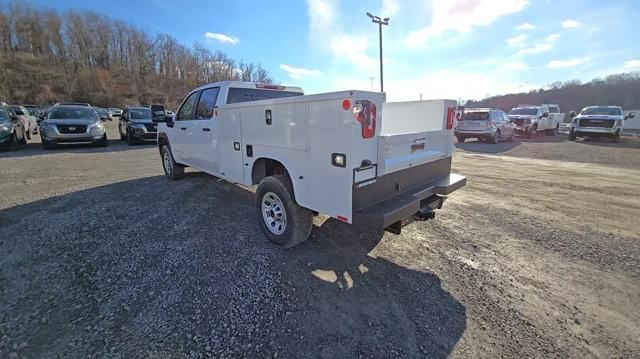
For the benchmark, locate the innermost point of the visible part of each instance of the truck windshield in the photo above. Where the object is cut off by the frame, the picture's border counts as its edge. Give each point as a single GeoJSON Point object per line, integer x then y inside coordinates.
{"type": "Point", "coordinates": [524, 111]}
{"type": "Point", "coordinates": [474, 116]}
{"type": "Point", "coordinates": [607, 111]}
{"type": "Point", "coordinates": [237, 94]}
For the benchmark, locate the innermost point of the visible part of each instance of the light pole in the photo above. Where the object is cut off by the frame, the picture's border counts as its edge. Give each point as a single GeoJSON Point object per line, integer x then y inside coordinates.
{"type": "Point", "coordinates": [380, 22]}
{"type": "Point", "coordinates": [371, 79]}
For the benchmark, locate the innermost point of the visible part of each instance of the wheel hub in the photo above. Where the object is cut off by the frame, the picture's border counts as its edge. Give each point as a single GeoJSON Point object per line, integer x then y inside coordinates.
{"type": "Point", "coordinates": [273, 213]}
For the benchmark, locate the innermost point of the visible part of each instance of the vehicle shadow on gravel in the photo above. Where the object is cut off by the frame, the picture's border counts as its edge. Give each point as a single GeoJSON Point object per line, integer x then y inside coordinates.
{"type": "Point", "coordinates": [625, 142]}
{"type": "Point", "coordinates": [149, 267]}
{"type": "Point", "coordinates": [486, 147]}
{"type": "Point", "coordinates": [35, 149]}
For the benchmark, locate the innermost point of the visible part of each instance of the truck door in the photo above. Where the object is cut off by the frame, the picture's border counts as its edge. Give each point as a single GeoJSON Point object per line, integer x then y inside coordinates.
{"type": "Point", "coordinates": [179, 135]}
{"type": "Point", "coordinates": [202, 133]}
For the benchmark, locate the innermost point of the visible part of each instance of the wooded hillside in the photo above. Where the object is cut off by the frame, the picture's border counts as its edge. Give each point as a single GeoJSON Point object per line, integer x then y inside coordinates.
{"type": "Point", "coordinates": [615, 90]}
{"type": "Point", "coordinates": [47, 56]}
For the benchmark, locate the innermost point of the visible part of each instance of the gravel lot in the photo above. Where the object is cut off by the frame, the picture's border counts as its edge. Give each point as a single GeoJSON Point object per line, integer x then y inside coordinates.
{"type": "Point", "coordinates": [538, 256]}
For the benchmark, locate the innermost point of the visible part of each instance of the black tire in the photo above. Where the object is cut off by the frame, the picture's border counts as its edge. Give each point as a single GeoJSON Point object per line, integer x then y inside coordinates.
{"type": "Point", "coordinates": [46, 145]}
{"type": "Point", "coordinates": [532, 132]}
{"type": "Point", "coordinates": [28, 134]}
{"type": "Point", "coordinates": [496, 137]}
{"type": "Point", "coordinates": [298, 220]}
{"type": "Point", "coordinates": [131, 141]}
{"type": "Point", "coordinates": [513, 136]}
{"type": "Point", "coordinates": [616, 138]}
{"type": "Point", "coordinates": [23, 140]}
{"type": "Point", "coordinates": [103, 142]}
{"type": "Point", "coordinates": [172, 170]}
{"type": "Point", "coordinates": [461, 139]}
{"type": "Point", "coordinates": [572, 136]}
{"type": "Point", "coordinates": [12, 145]}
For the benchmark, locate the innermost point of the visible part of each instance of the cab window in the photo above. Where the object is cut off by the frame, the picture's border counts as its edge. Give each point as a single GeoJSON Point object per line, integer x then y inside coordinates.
{"type": "Point", "coordinates": [3, 115]}
{"type": "Point", "coordinates": [188, 108]}
{"type": "Point", "coordinates": [207, 103]}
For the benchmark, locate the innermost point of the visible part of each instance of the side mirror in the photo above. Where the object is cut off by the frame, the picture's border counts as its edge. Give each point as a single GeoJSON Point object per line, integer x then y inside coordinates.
{"type": "Point", "coordinates": [545, 115]}
{"type": "Point", "coordinates": [630, 115]}
{"type": "Point", "coordinates": [572, 114]}
{"type": "Point", "coordinates": [14, 118]}
{"type": "Point", "coordinates": [103, 118]}
{"type": "Point", "coordinates": [157, 114]}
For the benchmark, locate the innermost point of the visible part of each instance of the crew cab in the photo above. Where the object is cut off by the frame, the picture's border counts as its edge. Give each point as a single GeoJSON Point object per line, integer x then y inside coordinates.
{"type": "Point", "coordinates": [347, 154]}
{"type": "Point", "coordinates": [598, 121]}
{"type": "Point", "coordinates": [532, 119]}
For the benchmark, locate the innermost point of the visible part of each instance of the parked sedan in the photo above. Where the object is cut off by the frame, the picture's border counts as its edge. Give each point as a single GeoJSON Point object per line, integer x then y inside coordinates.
{"type": "Point", "coordinates": [104, 114]}
{"type": "Point", "coordinates": [485, 124]}
{"type": "Point", "coordinates": [12, 132]}
{"type": "Point", "coordinates": [72, 124]}
{"type": "Point", "coordinates": [135, 125]}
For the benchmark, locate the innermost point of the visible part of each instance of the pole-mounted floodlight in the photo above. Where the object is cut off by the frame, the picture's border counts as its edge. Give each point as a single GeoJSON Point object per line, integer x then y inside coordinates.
{"type": "Point", "coordinates": [380, 22]}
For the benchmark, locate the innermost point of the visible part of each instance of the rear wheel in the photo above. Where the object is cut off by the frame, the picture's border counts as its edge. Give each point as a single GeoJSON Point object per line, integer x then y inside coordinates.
{"type": "Point", "coordinates": [513, 136]}
{"type": "Point", "coordinates": [572, 136]}
{"type": "Point", "coordinates": [283, 221]}
{"type": "Point", "coordinates": [172, 170]}
{"type": "Point", "coordinates": [461, 139]}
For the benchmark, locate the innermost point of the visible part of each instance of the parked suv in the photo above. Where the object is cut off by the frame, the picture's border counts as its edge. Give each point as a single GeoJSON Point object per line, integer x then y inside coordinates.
{"type": "Point", "coordinates": [532, 119]}
{"type": "Point", "coordinates": [12, 131]}
{"type": "Point", "coordinates": [72, 124]}
{"type": "Point", "coordinates": [598, 121]}
{"type": "Point", "coordinates": [485, 124]}
{"type": "Point", "coordinates": [135, 125]}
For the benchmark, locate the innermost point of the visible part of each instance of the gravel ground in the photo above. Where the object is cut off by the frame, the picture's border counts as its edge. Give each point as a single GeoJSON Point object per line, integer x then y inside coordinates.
{"type": "Point", "coordinates": [538, 256]}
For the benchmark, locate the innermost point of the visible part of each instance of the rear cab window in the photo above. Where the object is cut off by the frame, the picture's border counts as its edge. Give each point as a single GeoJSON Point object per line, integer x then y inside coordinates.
{"type": "Point", "coordinates": [238, 95]}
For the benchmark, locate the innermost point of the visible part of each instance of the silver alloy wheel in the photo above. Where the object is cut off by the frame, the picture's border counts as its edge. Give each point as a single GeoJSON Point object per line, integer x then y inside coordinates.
{"type": "Point", "coordinates": [166, 161]}
{"type": "Point", "coordinates": [274, 213]}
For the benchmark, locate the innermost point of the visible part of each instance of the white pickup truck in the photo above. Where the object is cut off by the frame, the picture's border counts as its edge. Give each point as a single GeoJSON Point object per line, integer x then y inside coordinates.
{"type": "Point", "coordinates": [346, 154]}
{"type": "Point", "coordinates": [532, 119]}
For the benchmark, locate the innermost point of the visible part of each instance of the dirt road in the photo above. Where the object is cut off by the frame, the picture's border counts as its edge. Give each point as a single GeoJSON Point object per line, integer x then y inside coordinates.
{"type": "Point", "coordinates": [101, 256]}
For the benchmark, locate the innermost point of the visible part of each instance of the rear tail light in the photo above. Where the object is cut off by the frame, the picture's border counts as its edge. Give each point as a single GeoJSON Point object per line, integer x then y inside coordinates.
{"type": "Point", "coordinates": [365, 112]}
{"type": "Point", "coordinates": [451, 114]}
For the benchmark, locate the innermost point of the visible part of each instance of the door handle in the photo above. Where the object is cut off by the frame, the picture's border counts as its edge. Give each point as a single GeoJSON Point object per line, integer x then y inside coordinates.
{"type": "Point", "coordinates": [183, 128]}
{"type": "Point", "coordinates": [206, 129]}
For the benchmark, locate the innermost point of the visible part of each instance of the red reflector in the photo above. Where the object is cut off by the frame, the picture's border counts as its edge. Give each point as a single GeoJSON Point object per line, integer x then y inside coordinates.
{"type": "Point", "coordinates": [343, 219]}
{"type": "Point", "coordinates": [346, 105]}
{"type": "Point", "coordinates": [451, 114]}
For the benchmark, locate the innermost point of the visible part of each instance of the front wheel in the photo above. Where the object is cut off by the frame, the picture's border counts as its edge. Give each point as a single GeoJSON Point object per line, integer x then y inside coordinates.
{"type": "Point", "coordinates": [496, 138]}
{"type": "Point", "coordinates": [12, 144]}
{"type": "Point", "coordinates": [572, 136]}
{"type": "Point", "coordinates": [103, 142]}
{"type": "Point", "coordinates": [172, 170]}
{"type": "Point", "coordinates": [283, 221]}
{"type": "Point", "coordinates": [532, 133]}
{"type": "Point", "coordinates": [131, 141]}
{"type": "Point", "coordinates": [616, 138]}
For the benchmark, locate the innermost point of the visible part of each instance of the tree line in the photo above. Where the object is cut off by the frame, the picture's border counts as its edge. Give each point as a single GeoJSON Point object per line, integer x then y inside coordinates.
{"type": "Point", "coordinates": [614, 90]}
{"type": "Point", "coordinates": [47, 56]}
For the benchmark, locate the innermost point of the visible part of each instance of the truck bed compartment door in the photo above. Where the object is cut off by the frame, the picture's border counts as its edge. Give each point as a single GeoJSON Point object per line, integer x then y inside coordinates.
{"type": "Point", "coordinates": [414, 133]}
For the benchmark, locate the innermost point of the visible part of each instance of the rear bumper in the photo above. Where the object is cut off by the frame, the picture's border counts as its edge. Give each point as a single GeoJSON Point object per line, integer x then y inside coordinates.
{"type": "Point", "coordinates": [404, 207]}
{"type": "Point", "coordinates": [488, 133]}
